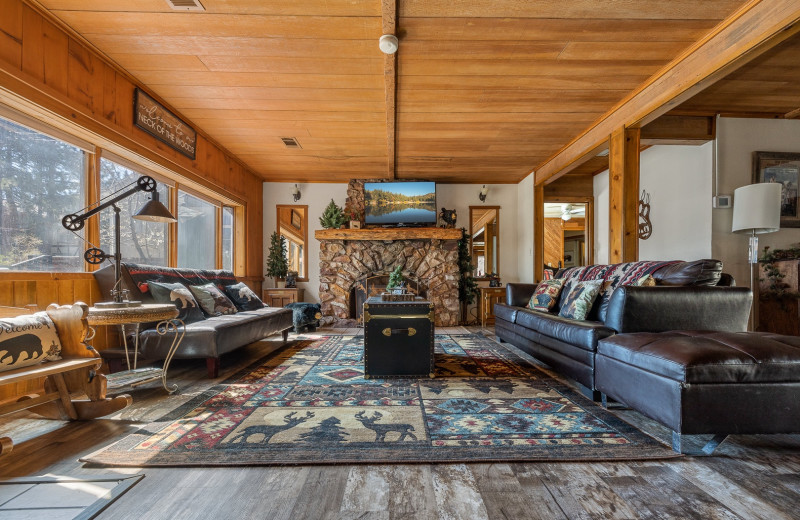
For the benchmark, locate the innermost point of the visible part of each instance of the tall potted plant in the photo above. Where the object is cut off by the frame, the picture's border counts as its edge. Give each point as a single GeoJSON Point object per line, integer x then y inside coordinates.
{"type": "Point", "coordinates": [467, 286]}
{"type": "Point", "coordinates": [277, 265]}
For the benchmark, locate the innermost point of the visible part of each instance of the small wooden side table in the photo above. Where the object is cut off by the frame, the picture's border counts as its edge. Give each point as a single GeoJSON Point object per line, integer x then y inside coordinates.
{"type": "Point", "coordinates": [164, 313]}
{"type": "Point", "coordinates": [282, 296]}
{"type": "Point", "coordinates": [488, 297]}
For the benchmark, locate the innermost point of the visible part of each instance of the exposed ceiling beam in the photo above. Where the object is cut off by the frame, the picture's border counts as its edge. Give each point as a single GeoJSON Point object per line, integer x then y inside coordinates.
{"type": "Point", "coordinates": [669, 129]}
{"type": "Point", "coordinates": [752, 30]}
{"type": "Point", "coordinates": [389, 26]}
{"type": "Point", "coordinates": [794, 114]}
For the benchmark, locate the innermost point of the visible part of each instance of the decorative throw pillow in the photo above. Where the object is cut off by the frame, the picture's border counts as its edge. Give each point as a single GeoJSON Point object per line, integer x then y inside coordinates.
{"type": "Point", "coordinates": [578, 302]}
{"type": "Point", "coordinates": [28, 340]}
{"type": "Point", "coordinates": [645, 281]}
{"type": "Point", "coordinates": [178, 295]}
{"type": "Point", "coordinates": [212, 300]}
{"type": "Point", "coordinates": [546, 295]}
{"type": "Point", "coordinates": [243, 297]}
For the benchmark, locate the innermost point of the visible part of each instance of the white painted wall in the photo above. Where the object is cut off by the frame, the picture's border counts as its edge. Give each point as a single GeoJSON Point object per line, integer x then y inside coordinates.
{"type": "Point", "coordinates": [678, 179]}
{"type": "Point", "coordinates": [737, 140]}
{"type": "Point", "coordinates": [524, 241]}
{"type": "Point", "coordinates": [458, 196]}
{"type": "Point", "coordinates": [601, 218]}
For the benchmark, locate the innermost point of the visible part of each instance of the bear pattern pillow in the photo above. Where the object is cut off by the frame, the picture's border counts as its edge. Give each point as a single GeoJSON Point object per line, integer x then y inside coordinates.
{"type": "Point", "coordinates": [243, 297]}
{"type": "Point", "coordinates": [180, 296]}
{"type": "Point", "coordinates": [578, 302]}
{"type": "Point", "coordinates": [212, 300]}
{"type": "Point", "coordinates": [28, 340]}
{"type": "Point", "coordinates": [546, 295]}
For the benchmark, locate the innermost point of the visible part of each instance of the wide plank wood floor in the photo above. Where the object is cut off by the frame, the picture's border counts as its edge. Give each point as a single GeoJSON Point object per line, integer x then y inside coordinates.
{"type": "Point", "coordinates": [749, 477]}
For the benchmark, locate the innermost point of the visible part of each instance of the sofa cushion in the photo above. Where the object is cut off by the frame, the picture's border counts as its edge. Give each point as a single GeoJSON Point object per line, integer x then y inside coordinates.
{"type": "Point", "coordinates": [624, 274]}
{"type": "Point", "coordinates": [708, 357]}
{"type": "Point", "coordinates": [243, 297]}
{"type": "Point", "coordinates": [578, 302]}
{"type": "Point", "coordinates": [137, 276]}
{"type": "Point", "coordinates": [698, 272]}
{"type": "Point", "coordinates": [27, 340]}
{"type": "Point", "coordinates": [582, 334]}
{"type": "Point", "coordinates": [212, 300]}
{"type": "Point", "coordinates": [546, 295]}
{"type": "Point", "coordinates": [178, 295]}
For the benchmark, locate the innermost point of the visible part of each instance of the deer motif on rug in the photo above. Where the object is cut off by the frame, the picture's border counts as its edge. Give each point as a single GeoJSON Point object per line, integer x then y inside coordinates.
{"type": "Point", "coordinates": [382, 429]}
{"type": "Point", "coordinates": [269, 430]}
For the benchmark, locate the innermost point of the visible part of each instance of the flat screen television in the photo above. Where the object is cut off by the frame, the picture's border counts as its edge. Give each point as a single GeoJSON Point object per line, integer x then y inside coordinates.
{"type": "Point", "coordinates": [410, 203]}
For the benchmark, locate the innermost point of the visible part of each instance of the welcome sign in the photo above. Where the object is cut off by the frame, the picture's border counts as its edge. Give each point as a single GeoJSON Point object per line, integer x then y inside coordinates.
{"type": "Point", "coordinates": [153, 118]}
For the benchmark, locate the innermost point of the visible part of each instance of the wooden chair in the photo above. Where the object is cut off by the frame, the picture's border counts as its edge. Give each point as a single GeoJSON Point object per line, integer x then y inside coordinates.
{"type": "Point", "coordinates": [72, 389]}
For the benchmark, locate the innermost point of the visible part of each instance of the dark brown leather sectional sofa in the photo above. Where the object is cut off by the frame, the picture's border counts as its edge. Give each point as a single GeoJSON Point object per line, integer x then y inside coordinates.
{"type": "Point", "coordinates": [207, 338]}
{"type": "Point", "coordinates": [690, 296]}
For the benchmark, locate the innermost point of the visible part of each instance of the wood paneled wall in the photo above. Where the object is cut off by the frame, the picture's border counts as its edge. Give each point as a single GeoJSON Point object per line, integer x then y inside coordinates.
{"type": "Point", "coordinates": [42, 63]}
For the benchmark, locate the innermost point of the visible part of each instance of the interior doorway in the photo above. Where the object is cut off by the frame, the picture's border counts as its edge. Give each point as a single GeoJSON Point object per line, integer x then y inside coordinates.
{"type": "Point", "coordinates": [568, 231]}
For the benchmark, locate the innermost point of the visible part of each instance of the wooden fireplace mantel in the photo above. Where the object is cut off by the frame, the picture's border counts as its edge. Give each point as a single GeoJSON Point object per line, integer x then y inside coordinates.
{"type": "Point", "coordinates": [425, 233]}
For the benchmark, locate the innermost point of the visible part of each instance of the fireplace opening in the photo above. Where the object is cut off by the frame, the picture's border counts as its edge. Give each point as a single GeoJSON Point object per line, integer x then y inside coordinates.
{"type": "Point", "coordinates": [374, 286]}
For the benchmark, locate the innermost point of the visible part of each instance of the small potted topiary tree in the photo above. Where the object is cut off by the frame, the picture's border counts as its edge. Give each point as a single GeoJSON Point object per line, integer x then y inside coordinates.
{"type": "Point", "coordinates": [397, 282]}
{"type": "Point", "coordinates": [333, 217]}
{"type": "Point", "coordinates": [277, 264]}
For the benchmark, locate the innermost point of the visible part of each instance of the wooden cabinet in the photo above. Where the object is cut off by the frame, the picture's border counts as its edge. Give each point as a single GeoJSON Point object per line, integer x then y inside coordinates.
{"type": "Point", "coordinates": [488, 297]}
{"type": "Point", "coordinates": [283, 296]}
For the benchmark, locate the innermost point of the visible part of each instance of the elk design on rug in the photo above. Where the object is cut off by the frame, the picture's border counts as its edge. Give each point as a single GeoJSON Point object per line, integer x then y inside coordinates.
{"type": "Point", "coordinates": [269, 430]}
{"type": "Point", "coordinates": [382, 429]}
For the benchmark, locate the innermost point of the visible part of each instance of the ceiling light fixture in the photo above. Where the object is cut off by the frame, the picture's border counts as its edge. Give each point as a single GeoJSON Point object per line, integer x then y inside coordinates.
{"type": "Point", "coordinates": [388, 43]}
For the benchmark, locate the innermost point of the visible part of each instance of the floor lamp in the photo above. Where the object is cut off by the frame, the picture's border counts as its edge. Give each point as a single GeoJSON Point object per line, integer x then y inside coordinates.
{"type": "Point", "coordinates": [756, 210]}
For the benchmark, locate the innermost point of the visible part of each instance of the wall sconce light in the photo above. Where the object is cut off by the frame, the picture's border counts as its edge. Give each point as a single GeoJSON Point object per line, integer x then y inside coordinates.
{"type": "Point", "coordinates": [296, 193]}
{"type": "Point", "coordinates": [482, 194]}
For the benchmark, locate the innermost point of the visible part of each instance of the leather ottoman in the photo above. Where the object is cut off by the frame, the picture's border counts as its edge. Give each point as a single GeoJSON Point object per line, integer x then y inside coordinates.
{"type": "Point", "coordinates": [701, 382]}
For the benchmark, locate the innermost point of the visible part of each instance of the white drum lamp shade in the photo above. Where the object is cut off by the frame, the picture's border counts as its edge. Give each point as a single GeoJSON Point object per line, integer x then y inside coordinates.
{"type": "Point", "coordinates": [757, 208]}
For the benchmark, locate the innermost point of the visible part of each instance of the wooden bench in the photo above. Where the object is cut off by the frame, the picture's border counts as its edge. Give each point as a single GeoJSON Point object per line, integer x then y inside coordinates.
{"type": "Point", "coordinates": [72, 388]}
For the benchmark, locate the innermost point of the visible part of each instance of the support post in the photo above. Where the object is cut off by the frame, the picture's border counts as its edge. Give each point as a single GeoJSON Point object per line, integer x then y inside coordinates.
{"type": "Point", "coordinates": [623, 179]}
{"type": "Point", "coordinates": [538, 232]}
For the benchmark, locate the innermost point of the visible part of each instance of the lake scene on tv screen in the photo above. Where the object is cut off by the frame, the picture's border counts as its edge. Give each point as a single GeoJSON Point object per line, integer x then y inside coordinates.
{"type": "Point", "coordinates": [400, 202]}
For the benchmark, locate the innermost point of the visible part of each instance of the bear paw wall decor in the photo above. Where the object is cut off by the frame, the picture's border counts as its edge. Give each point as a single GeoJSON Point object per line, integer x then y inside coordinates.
{"type": "Point", "coordinates": [645, 226]}
{"type": "Point", "coordinates": [448, 218]}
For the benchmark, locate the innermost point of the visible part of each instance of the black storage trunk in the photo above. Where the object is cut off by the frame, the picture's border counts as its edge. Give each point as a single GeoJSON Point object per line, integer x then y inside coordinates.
{"type": "Point", "coordinates": [398, 338]}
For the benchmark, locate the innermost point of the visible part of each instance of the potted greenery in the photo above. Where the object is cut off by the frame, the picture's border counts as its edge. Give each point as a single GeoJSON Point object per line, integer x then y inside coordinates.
{"type": "Point", "coordinates": [333, 217]}
{"type": "Point", "coordinates": [396, 287]}
{"type": "Point", "coordinates": [467, 286]}
{"type": "Point", "coordinates": [277, 265]}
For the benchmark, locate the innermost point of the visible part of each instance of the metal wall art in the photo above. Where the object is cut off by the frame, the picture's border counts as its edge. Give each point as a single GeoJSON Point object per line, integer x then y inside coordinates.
{"type": "Point", "coordinates": [645, 226]}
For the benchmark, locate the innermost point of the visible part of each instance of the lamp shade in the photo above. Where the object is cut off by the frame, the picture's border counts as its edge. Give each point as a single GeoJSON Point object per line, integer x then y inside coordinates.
{"type": "Point", "coordinates": [757, 208]}
{"type": "Point", "coordinates": [154, 211]}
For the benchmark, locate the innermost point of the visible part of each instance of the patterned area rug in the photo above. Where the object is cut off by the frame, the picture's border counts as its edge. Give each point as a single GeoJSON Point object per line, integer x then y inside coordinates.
{"type": "Point", "coordinates": [309, 403]}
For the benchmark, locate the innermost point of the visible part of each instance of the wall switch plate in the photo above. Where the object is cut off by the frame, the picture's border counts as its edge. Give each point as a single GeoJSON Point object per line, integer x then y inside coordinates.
{"type": "Point", "coordinates": [722, 202]}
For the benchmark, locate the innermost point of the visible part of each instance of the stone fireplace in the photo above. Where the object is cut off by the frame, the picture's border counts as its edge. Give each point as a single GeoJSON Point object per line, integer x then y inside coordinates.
{"type": "Point", "coordinates": [348, 256]}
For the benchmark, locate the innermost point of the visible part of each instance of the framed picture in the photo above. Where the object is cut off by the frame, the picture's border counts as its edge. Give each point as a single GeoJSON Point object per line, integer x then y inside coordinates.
{"type": "Point", "coordinates": [784, 168]}
{"type": "Point", "coordinates": [297, 222]}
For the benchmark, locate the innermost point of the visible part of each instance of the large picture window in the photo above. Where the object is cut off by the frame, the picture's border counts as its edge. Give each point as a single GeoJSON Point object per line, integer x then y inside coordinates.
{"type": "Point", "coordinates": [142, 242]}
{"type": "Point", "coordinates": [41, 180]}
{"type": "Point", "coordinates": [227, 237]}
{"type": "Point", "coordinates": [196, 232]}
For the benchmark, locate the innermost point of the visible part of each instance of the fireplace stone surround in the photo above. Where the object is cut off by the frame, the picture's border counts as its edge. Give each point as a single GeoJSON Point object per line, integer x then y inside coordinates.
{"type": "Point", "coordinates": [431, 261]}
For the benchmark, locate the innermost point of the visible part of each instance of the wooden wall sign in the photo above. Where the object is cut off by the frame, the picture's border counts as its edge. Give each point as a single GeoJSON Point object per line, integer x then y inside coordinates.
{"type": "Point", "coordinates": [153, 118]}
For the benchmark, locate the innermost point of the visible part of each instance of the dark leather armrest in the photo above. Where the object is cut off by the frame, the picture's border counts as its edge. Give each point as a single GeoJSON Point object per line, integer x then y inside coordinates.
{"type": "Point", "coordinates": [519, 294]}
{"type": "Point", "coordinates": [658, 309]}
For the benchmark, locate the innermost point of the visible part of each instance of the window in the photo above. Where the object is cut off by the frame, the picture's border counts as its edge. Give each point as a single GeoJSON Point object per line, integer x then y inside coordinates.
{"type": "Point", "coordinates": [227, 238]}
{"type": "Point", "coordinates": [142, 242]}
{"type": "Point", "coordinates": [41, 180]}
{"type": "Point", "coordinates": [196, 232]}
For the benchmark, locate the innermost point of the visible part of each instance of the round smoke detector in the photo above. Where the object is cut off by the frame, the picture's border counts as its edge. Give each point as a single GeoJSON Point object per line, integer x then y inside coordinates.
{"type": "Point", "coordinates": [388, 43]}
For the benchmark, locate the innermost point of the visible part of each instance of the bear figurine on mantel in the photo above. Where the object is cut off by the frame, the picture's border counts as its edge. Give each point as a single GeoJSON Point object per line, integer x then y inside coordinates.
{"type": "Point", "coordinates": [448, 218]}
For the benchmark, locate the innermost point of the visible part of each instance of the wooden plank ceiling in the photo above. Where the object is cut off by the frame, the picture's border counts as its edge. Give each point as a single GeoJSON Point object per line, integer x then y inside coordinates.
{"type": "Point", "coordinates": [486, 91]}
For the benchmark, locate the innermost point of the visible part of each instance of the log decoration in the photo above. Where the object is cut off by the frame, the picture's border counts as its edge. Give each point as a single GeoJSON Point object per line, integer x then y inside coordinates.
{"type": "Point", "coordinates": [645, 226]}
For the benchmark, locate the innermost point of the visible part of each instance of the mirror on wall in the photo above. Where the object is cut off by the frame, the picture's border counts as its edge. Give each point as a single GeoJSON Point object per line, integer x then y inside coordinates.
{"type": "Point", "coordinates": [293, 225]}
{"type": "Point", "coordinates": [565, 236]}
{"type": "Point", "coordinates": [485, 240]}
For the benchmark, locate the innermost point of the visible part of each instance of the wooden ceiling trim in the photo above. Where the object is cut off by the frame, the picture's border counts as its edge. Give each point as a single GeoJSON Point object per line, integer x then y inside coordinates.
{"type": "Point", "coordinates": [389, 26]}
{"type": "Point", "coordinates": [752, 30]}
{"type": "Point", "coordinates": [574, 9]}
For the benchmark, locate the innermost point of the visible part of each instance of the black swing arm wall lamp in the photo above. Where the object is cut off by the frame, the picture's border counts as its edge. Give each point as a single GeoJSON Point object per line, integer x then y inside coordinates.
{"type": "Point", "coordinates": [152, 210]}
